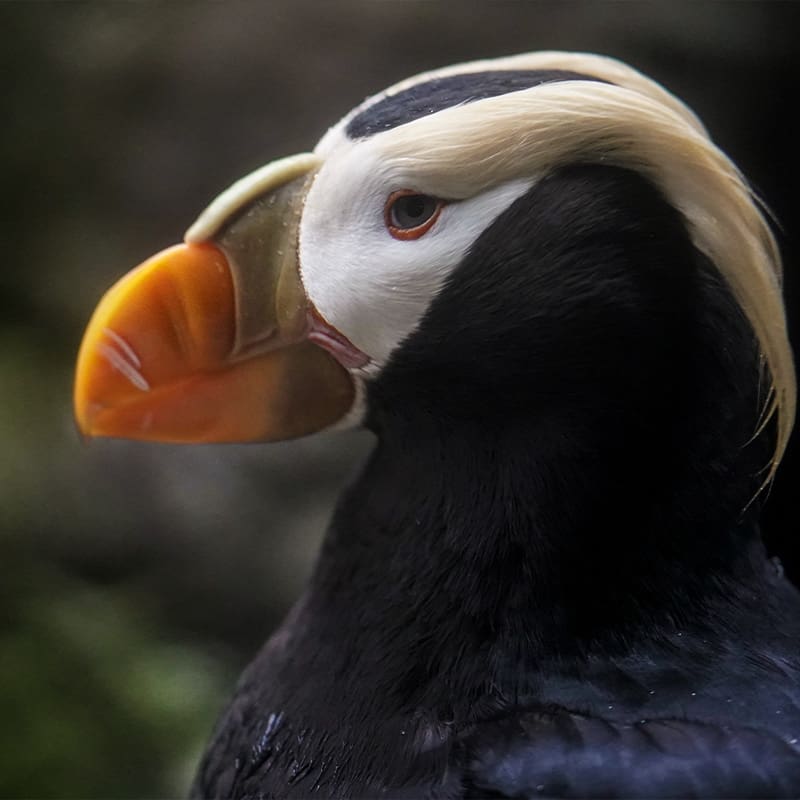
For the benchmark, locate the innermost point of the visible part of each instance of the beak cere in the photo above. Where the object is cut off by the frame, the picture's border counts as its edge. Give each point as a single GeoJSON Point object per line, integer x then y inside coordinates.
{"type": "Point", "coordinates": [208, 341]}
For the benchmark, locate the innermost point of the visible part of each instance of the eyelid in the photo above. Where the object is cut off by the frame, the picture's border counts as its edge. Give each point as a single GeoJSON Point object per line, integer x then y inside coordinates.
{"type": "Point", "coordinates": [405, 234]}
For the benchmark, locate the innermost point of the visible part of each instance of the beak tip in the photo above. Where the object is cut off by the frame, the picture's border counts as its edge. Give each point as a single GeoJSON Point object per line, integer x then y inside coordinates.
{"type": "Point", "coordinates": [83, 431]}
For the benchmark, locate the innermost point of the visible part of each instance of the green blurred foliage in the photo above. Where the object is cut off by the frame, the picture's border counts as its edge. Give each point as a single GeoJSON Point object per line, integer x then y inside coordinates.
{"type": "Point", "coordinates": [103, 706]}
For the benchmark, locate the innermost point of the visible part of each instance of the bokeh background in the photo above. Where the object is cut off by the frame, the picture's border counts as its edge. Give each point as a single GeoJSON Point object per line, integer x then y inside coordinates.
{"type": "Point", "coordinates": [137, 580]}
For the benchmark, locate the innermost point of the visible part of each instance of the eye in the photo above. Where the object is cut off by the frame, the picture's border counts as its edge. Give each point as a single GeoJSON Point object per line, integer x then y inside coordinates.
{"type": "Point", "coordinates": [408, 214]}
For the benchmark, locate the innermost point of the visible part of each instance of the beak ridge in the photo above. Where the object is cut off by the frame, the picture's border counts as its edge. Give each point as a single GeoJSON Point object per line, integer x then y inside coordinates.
{"type": "Point", "coordinates": [208, 341]}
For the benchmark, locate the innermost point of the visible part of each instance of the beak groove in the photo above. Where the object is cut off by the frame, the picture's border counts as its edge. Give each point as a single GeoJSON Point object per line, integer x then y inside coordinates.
{"type": "Point", "coordinates": [209, 341]}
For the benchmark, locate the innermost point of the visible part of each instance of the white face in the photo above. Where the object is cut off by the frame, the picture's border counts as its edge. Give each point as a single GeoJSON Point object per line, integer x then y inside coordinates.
{"type": "Point", "coordinates": [372, 287]}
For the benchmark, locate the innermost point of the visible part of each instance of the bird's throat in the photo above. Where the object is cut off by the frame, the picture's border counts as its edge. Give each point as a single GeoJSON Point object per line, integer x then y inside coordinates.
{"type": "Point", "coordinates": [471, 559]}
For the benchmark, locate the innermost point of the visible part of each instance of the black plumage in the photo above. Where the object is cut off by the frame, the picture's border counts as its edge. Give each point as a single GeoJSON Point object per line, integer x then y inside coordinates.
{"type": "Point", "coordinates": [428, 97]}
{"type": "Point", "coordinates": [548, 579]}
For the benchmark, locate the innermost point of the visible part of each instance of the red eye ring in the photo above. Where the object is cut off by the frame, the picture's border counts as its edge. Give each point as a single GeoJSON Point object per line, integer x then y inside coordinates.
{"type": "Point", "coordinates": [405, 206]}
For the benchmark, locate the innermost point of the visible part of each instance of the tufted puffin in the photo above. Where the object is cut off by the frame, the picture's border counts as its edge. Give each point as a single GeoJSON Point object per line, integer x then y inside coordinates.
{"type": "Point", "coordinates": [557, 305]}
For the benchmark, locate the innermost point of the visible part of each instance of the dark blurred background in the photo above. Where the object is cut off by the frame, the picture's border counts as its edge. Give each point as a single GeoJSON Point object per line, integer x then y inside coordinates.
{"type": "Point", "coordinates": [137, 580]}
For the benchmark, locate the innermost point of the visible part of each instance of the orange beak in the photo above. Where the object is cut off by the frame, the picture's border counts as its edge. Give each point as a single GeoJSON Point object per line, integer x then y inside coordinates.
{"type": "Point", "coordinates": [208, 341]}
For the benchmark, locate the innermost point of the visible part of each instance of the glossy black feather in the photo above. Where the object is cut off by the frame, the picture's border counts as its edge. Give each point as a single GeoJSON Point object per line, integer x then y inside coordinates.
{"type": "Point", "coordinates": [553, 540]}
{"type": "Point", "coordinates": [428, 97]}
{"type": "Point", "coordinates": [554, 753]}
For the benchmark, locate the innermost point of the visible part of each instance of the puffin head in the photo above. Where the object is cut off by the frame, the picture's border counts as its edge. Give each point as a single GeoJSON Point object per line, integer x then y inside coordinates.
{"type": "Point", "coordinates": [522, 237]}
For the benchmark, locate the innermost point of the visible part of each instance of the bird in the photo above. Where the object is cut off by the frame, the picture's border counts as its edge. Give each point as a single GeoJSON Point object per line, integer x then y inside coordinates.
{"type": "Point", "coordinates": [557, 305]}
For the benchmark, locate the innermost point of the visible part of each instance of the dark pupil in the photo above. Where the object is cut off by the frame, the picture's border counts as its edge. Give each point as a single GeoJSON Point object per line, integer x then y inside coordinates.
{"type": "Point", "coordinates": [412, 210]}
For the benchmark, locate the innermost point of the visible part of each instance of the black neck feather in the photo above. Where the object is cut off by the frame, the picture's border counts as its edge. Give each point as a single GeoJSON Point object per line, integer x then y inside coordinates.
{"type": "Point", "coordinates": [563, 459]}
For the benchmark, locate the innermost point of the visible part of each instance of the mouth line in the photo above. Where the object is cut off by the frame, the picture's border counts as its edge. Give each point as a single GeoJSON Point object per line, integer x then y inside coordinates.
{"type": "Point", "coordinates": [324, 335]}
